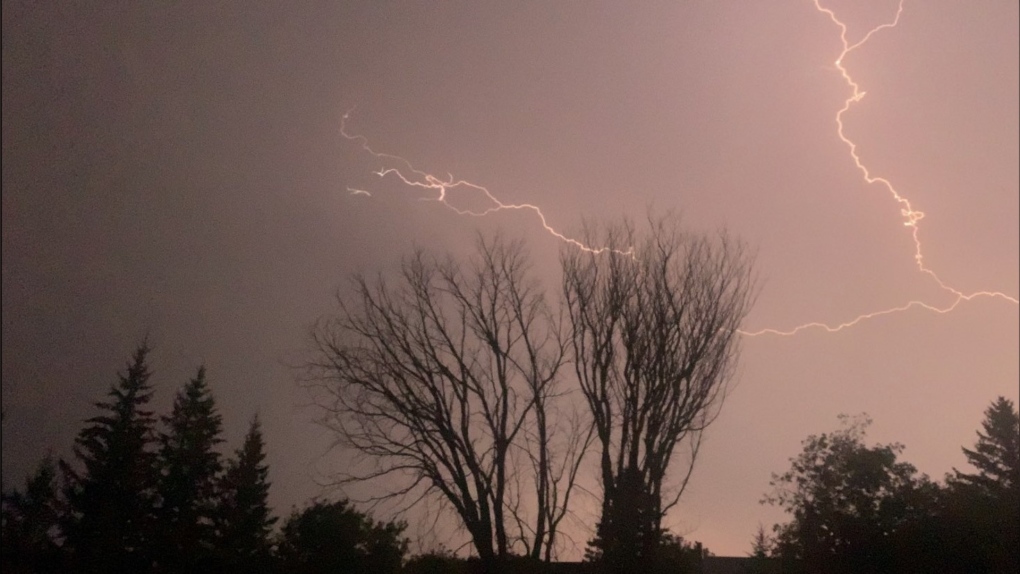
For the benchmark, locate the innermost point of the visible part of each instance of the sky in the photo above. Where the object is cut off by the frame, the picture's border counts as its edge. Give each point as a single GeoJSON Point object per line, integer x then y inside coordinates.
{"type": "Point", "coordinates": [178, 170]}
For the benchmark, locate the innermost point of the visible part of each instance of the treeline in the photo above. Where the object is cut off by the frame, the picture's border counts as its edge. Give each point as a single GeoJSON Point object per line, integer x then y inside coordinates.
{"type": "Point", "coordinates": [459, 381]}
{"type": "Point", "coordinates": [856, 508]}
{"type": "Point", "coordinates": [143, 493]}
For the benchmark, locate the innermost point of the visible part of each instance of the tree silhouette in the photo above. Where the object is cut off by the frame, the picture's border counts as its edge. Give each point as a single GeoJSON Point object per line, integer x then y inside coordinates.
{"type": "Point", "coordinates": [30, 520]}
{"type": "Point", "coordinates": [190, 465]}
{"type": "Point", "coordinates": [447, 379]}
{"type": "Point", "coordinates": [334, 538]}
{"type": "Point", "coordinates": [852, 505]}
{"type": "Point", "coordinates": [984, 507]}
{"type": "Point", "coordinates": [244, 521]}
{"type": "Point", "coordinates": [760, 560]}
{"type": "Point", "coordinates": [654, 335]}
{"type": "Point", "coordinates": [111, 494]}
{"type": "Point", "coordinates": [996, 455]}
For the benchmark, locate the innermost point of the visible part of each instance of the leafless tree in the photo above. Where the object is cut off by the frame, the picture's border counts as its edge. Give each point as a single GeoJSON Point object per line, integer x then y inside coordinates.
{"type": "Point", "coordinates": [448, 379]}
{"type": "Point", "coordinates": [654, 337]}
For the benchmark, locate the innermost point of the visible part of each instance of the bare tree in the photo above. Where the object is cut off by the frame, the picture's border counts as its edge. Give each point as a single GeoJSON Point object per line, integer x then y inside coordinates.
{"type": "Point", "coordinates": [447, 379]}
{"type": "Point", "coordinates": [655, 340]}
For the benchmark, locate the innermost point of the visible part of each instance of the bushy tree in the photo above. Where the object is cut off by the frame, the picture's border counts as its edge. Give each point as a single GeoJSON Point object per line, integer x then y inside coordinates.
{"type": "Point", "coordinates": [188, 484]}
{"type": "Point", "coordinates": [335, 538]}
{"type": "Point", "coordinates": [851, 504]}
{"type": "Point", "coordinates": [438, 561]}
{"type": "Point", "coordinates": [675, 555]}
{"type": "Point", "coordinates": [110, 490]}
{"type": "Point", "coordinates": [30, 519]}
{"type": "Point", "coordinates": [244, 521]}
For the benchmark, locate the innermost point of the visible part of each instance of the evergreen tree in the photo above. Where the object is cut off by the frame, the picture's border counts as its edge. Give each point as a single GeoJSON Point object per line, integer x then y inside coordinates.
{"type": "Point", "coordinates": [996, 455]}
{"type": "Point", "coordinates": [110, 493]}
{"type": "Point", "coordinates": [761, 547]}
{"type": "Point", "coordinates": [985, 506]}
{"type": "Point", "coordinates": [30, 522]}
{"type": "Point", "coordinates": [244, 517]}
{"type": "Point", "coordinates": [188, 482]}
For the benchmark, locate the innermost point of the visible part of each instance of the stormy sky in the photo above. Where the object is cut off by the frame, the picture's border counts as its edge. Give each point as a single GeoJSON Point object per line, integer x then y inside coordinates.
{"type": "Point", "coordinates": [178, 170]}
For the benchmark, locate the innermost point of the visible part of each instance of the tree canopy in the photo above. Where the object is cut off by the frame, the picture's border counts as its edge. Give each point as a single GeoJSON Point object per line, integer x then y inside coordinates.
{"type": "Point", "coordinates": [859, 509]}
{"type": "Point", "coordinates": [445, 378]}
{"type": "Point", "coordinates": [655, 320]}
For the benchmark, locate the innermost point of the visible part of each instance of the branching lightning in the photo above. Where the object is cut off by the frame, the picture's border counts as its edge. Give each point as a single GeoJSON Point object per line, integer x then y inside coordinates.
{"type": "Point", "coordinates": [413, 177]}
{"type": "Point", "coordinates": [911, 217]}
{"type": "Point", "coordinates": [410, 176]}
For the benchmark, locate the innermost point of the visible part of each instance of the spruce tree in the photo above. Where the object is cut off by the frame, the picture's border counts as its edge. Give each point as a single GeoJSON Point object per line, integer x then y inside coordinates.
{"type": "Point", "coordinates": [996, 455]}
{"type": "Point", "coordinates": [111, 491]}
{"type": "Point", "coordinates": [987, 503]}
{"type": "Point", "coordinates": [244, 517]}
{"type": "Point", "coordinates": [190, 467]}
{"type": "Point", "coordinates": [29, 523]}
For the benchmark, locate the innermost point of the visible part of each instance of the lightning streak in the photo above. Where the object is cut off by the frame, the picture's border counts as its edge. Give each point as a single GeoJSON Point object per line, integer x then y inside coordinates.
{"type": "Point", "coordinates": [413, 177]}
{"type": "Point", "coordinates": [911, 217]}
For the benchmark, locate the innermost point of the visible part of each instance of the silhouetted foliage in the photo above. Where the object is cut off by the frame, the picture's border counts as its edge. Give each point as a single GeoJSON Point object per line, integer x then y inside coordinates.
{"type": "Point", "coordinates": [654, 335]}
{"type": "Point", "coordinates": [137, 500]}
{"type": "Point", "coordinates": [631, 534]}
{"type": "Point", "coordinates": [188, 484]}
{"type": "Point", "coordinates": [128, 506]}
{"type": "Point", "coordinates": [673, 554]}
{"type": "Point", "coordinates": [853, 507]}
{"type": "Point", "coordinates": [111, 491]}
{"type": "Point", "coordinates": [761, 544]}
{"type": "Point", "coordinates": [440, 561]}
{"type": "Point", "coordinates": [244, 520]}
{"type": "Point", "coordinates": [335, 538]}
{"type": "Point", "coordinates": [983, 508]}
{"type": "Point", "coordinates": [30, 519]}
{"type": "Point", "coordinates": [761, 559]}
{"type": "Point", "coordinates": [857, 509]}
{"type": "Point", "coordinates": [996, 455]}
{"type": "Point", "coordinates": [446, 379]}
{"type": "Point", "coordinates": [677, 556]}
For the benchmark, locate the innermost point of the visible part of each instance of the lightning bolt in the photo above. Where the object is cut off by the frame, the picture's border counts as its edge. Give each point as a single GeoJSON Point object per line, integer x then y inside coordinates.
{"type": "Point", "coordinates": [911, 216]}
{"type": "Point", "coordinates": [413, 177]}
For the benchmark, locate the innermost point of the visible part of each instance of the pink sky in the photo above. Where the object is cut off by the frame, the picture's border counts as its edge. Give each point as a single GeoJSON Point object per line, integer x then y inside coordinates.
{"type": "Point", "coordinates": [180, 170]}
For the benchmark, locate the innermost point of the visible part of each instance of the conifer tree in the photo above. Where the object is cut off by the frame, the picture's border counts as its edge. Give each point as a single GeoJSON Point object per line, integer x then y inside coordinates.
{"type": "Point", "coordinates": [986, 505]}
{"type": "Point", "coordinates": [190, 467]}
{"type": "Point", "coordinates": [111, 491]}
{"type": "Point", "coordinates": [29, 523]}
{"type": "Point", "coordinates": [244, 516]}
{"type": "Point", "coordinates": [996, 455]}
